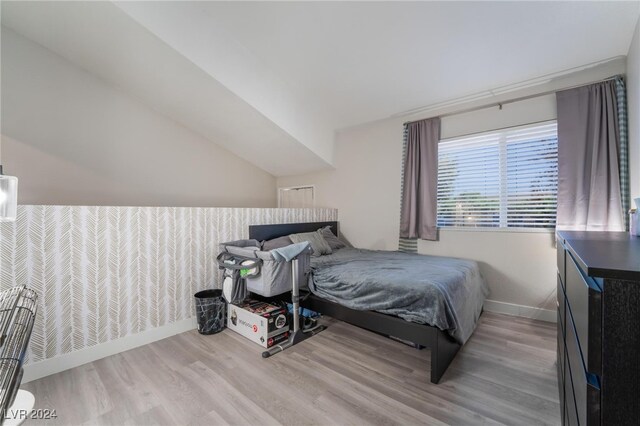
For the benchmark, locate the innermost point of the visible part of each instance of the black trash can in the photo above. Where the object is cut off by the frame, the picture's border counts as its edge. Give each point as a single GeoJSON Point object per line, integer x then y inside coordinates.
{"type": "Point", "coordinates": [210, 311]}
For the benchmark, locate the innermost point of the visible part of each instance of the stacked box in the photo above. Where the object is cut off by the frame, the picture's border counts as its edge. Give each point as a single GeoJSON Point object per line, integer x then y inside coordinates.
{"type": "Point", "coordinates": [260, 322]}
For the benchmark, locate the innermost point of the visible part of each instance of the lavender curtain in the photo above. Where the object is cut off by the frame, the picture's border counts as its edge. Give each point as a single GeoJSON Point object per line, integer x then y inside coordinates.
{"type": "Point", "coordinates": [420, 180]}
{"type": "Point", "coordinates": [589, 195]}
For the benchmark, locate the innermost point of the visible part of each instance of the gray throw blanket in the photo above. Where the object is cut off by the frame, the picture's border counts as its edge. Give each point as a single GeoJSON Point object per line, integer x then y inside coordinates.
{"type": "Point", "coordinates": [290, 252]}
{"type": "Point", "coordinates": [441, 291]}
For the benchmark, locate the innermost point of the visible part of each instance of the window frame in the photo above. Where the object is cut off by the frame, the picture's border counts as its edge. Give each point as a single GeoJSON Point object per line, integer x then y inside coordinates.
{"type": "Point", "coordinates": [502, 146]}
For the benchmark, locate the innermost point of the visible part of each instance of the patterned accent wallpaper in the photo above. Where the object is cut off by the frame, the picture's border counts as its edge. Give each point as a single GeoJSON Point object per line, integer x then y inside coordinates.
{"type": "Point", "coordinates": [103, 273]}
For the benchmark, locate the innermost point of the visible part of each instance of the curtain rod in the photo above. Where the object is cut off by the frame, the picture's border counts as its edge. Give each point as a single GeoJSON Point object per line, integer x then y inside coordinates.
{"type": "Point", "coordinates": [510, 101]}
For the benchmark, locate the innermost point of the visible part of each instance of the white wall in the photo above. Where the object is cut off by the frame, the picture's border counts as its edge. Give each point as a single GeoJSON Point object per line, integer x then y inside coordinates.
{"type": "Point", "coordinates": [72, 139]}
{"type": "Point", "coordinates": [633, 104]}
{"type": "Point", "coordinates": [365, 187]}
{"type": "Point", "coordinates": [191, 29]}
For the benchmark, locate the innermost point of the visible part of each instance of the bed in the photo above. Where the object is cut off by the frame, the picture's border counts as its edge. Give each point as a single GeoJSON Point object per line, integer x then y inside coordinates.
{"type": "Point", "coordinates": [430, 301]}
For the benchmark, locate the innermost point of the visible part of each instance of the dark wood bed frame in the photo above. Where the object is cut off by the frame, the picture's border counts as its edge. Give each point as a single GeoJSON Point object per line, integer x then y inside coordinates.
{"type": "Point", "coordinates": [443, 348]}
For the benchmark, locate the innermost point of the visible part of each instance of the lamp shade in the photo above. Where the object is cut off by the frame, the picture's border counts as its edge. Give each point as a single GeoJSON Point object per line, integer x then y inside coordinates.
{"type": "Point", "coordinates": [8, 198]}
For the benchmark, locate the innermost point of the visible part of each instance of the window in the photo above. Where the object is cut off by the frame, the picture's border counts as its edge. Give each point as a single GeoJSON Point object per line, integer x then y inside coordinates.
{"type": "Point", "coordinates": [502, 179]}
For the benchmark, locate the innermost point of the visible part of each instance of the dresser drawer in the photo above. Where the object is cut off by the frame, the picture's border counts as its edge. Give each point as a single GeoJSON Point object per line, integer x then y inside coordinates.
{"type": "Point", "coordinates": [584, 304]}
{"type": "Point", "coordinates": [561, 347]}
{"type": "Point", "coordinates": [571, 413]}
{"type": "Point", "coordinates": [561, 331]}
{"type": "Point", "coordinates": [561, 343]}
{"type": "Point", "coordinates": [561, 368]}
{"type": "Point", "coordinates": [585, 385]}
{"type": "Point", "coordinates": [562, 306]}
{"type": "Point", "coordinates": [560, 253]}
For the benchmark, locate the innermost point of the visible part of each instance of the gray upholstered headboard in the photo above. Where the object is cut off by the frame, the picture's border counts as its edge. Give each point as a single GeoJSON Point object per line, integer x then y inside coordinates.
{"type": "Point", "coordinates": [267, 232]}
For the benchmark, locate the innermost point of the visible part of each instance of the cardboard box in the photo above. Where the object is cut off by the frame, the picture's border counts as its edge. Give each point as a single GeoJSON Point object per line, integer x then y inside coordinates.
{"type": "Point", "coordinates": [260, 322]}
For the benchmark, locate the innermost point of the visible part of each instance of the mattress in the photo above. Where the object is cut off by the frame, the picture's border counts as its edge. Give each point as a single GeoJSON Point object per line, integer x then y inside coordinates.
{"type": "Point", "coordinates": [444, 292]}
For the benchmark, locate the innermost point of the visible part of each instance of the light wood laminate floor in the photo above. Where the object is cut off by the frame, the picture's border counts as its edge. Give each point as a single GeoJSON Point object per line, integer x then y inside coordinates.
{"type": "Point", "coordinates": [344, 375]}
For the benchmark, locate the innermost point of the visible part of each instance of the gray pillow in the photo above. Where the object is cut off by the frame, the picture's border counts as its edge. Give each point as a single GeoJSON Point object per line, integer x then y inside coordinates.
{"type": "Point", "coordinates": [333, 241]}
{"type": "Point", "coordinates": [276, 243]}
{"type": "Point", "coordinates": [317, 241]}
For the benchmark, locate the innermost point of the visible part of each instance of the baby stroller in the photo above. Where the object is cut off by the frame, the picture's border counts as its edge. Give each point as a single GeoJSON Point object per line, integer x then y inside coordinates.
{"type": "Point", "coordinates": [268, 274]}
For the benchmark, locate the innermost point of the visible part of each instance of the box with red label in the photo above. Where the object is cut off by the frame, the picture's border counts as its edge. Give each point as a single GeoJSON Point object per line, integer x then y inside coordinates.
{"type": "Point", "coordinates": [260, 322]}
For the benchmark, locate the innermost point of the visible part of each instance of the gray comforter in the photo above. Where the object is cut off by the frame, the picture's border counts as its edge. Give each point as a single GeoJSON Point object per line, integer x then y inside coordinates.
{"type": "Point", "coordinates": [441, 291]}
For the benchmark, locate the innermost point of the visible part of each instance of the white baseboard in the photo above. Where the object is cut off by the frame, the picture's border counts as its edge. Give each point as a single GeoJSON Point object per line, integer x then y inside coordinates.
{"type": "Point", "coordinates": [548, 315]}
{"type": "Point", "coordinates": [64, 362]}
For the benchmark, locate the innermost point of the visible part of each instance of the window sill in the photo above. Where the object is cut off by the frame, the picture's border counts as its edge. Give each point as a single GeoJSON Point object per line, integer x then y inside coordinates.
{"type": "Point", "coordinates": [487, 229]}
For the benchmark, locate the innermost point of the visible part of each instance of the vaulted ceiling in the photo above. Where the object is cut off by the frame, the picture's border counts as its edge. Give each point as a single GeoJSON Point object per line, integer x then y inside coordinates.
{"type": "Point", "coordinates": [273, 81]}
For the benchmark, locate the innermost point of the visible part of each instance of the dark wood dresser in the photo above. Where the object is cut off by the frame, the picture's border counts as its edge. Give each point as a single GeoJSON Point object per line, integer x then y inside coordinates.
{"type": "Point", "coordinates": [599, 328]}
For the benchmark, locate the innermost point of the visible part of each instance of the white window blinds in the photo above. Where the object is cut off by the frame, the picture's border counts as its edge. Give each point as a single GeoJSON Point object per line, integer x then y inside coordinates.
{"type": "Point", "coordinates": [502, 179]}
